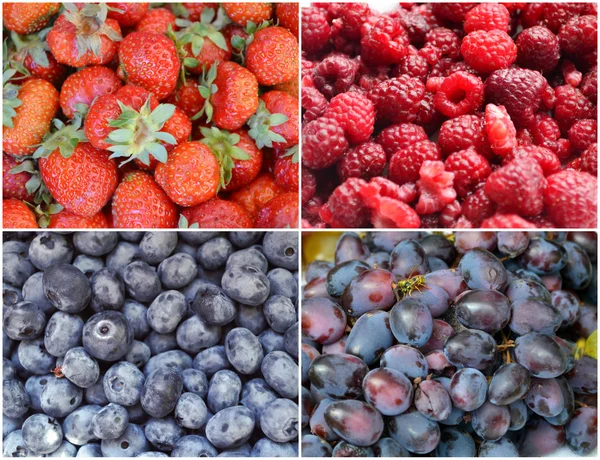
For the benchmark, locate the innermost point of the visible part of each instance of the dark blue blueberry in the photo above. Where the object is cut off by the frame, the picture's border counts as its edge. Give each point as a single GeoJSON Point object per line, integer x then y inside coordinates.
{"type": "Point", "coordinates": [190, 411]}
{"type": "Point", "coordinates": [157, 246]}
{"type": "Point", "coordinates": [271, 341]}
{"type": "Point", "coordinates": [252, 318]}
{"type": "Point", "coordinates": [16, 266]}
{"type": "Point", "coordinates": [280, 313]}
{"type": "Point", "coordinates": [246, 284]}
{"type": "Point", "coordinates": [177, 271]}
{"type": "Point", "coordinates": [131, 443]}
{"type": "Point", "coordinates": [223, 390]}
{"type": "Point", "coordinates": [230, 427]}
{"type": "Point", "coordinates": [214, 253]}
{"type": "Point", "coordinates": [80, 368]}
{"type": "Point", "coordinates": [13, 446]}
{"type": "Point", "coordinates": [166, 311]}
{"type": "Point", "coordinates": [124, 254]}
{"type": "Point", "coordinates": [138, 354]}
{"type": "Point", "coordinates": [60, 397]}
{"type": "Point", "coordinates": [161, 392]}
{"type": "Point", "coordinates": [78, 425]}
{"type": "Point", "coordinates": [163, 433]}
{"type": "Point", "coordinates": [194, 335]}
{"type": "Point", "coordinates": [123, 384]}
{"type": "Point", "coordinates": [15, 400]}
{"type": "Point", "coordinates": [50, 248]}
{"type": "Point", "coordinates": [95, 243]}
{"type": "Point", "coordinates": [141, 281]}
{"type": "Point", "coordinates": [159, 343]}
{"type": "Point", "coordinates": [281, 249]}
{"type": "Point", "coordinates": [213, 306]}
{"type": "Point", "coordinates": [12, 295]}
{"type": "Point", "coordinates": [193, 446]}
{"type": "Point", "coordinates": [212, 360]}
{"type": "Point", "coordinates": [249, 256]}
{"type": "Point", "coordinates": [33, 291]}
{"type": "Point", "coordinates": [266, 448]}
{"type": "Point", "coordinates": [67, 288]}
{"type": "Point", "coordinates": [107, 335]}
{"type": "Point", "coordinates": [281, 373]}
{"type": "Point", "coordinates": [195, 381]}
{"type": "Point", "coordinates": [136, 315]}
{"type": "Point", "coordinates": [244, 239]}
{"type": "Point", "coordinates": [42, 434]}
{"type": "Point", "coordinates": [244, 350]}
{"type": "Point", "coordinates": [283, 283]}
{"type": "Point", "coordinates": [110, 422]}
{"type": "Point", "coordinates": [256, 395]}
{"type": "Point", "coordinates": [197, 238]}
{"type": "Point", "coordinates": [279, 420]}
{"type": "Point", "coordinates": [108, 290]}
{"type": "Point", "coordinates": [24, 321]}
{"type": "Point", "coordinates": [88, 264]}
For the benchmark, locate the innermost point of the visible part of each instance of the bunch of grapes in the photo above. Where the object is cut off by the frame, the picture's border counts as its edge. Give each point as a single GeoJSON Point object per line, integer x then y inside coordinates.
{"type": "Point", "coordinates": [466, 344]}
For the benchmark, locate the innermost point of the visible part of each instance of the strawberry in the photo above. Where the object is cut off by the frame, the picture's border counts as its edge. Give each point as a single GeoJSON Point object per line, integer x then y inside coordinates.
{"type": "Point", "coordinates": [27, 18]}
{"type": "Point", "coordinates": [286, 170]}
{"type": "Point", "coordinates": [256, 194]}
{"type": "Point", "coordinates": [28, 111]}
{"type": "Point", "coordinates": [140, 203]}
{"type": "Point", "coordinates": [66, 219]}
{"type": "Point", "coordinates": [140, 51]}
{"type": "Point", "coordinates": [127, 14]}
{"type": "Point", "coordinates": [191, 11]}
{"type": "Point", "coordinates": [191, 174]}
{"type": "Point", "coordinates": [187, 97]}
{"type": "Point", "coordinates": [275, 123]}
{"type": "Point", "coordinates": [14, 184]}
{"type": "Point", "coordinates": [273, 56]}
{"type": "Point", "coordinates": [216, 213]}
{"type": "Point", "coordinates": [157, 20]}
{"type": "Point", "coordinates": [292, 87]}
{"type": "Point", "coordinates": [33, 53]}
{"type": "Point", "coordinates": [287, 15]}
{"type": "Point", "coordinates": [82, 37]}
{"type": "Point", "coordinates": [16, 214]}
{"type": "Point", "coordinates": [243, 13]}
{"type": "Point", "coordinates": [280, 212]}
{"type": "Point", "coordinates": [81, 88]}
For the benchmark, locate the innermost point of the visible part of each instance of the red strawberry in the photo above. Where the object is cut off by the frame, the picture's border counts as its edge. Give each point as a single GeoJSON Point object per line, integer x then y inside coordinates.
{"type": "Point", "coordinates": [191, 11]}
{"type": "Point", "coordinates": [157, 20]}
{"type": "Point", "coordinates": [27, 18]}
{"type": "Point", "coordinates": [187, 97]}
{"type": "Point", "coordinates": [66, 219]}
{"type": "Point", "coordinates": [286, 170]}
{"type": "Point", "coordinates": [280, 212]}
{"type": "Point", "coordinates": [216, 213]}
{"type": "Point", "coordinates": [243, 13]}
{"type": "Point", "coordinates": [34, 54]}
{"type": "Point", "coordinates": [128, 14]}
{"type": "Point", "coordinates": [14, 184]}
{"type": "Point", "coordinates": [272, 56]}
{"type": "Point", "coordinates": [287, 15]}
{"type": "Point", "coordinates": [275, 123]}
{"type": "Point", "coordinates": [256, 194]}
{"type": "Point", "coordinates": [16, 214]}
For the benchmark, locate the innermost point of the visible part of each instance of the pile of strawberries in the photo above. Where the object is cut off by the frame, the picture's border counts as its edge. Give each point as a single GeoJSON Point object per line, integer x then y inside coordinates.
{"type": "Point", "coordinates": [130, 115]}
{"type": "Point", "coordinates": [456, 115]}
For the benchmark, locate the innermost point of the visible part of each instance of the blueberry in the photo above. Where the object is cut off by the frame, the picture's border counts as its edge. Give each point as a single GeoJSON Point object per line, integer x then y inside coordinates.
{"type": "Point", "coordinates": [13, 446]}
{"type": "Point", "coordinates": [124, 254]}
{"type": "Point", "coordinates": [24, 321]}
{"type": "Point", "coordinates": [193, 446]}
{"type": "Point", "coordinates": [246, 284]}
{"type": "Point", "coordinates": [141, 281]}
{"type": "Point", "coordinates": [267, 448]}
{"type": "Point", "coordinates": [244, 350]}
{"type": "Point", "coordinates": [281, 249]}
{"type": "Point", "coordinates": [197, 238]}
{"type": "Point", "coordinates": [88, 264]}
{"type": "Point", "coordinates": [34, 357]}
{"type": "Point", "coordinates": [67, 288]}
{"type": "Point", "coordinates": [131, 443]}
{"type": "Point", "coordinates": [214, 253]}
{"type": "Point", "coordinates": [249, 256]}
{"type": "Point", "coordinates": [159, 343]}
{"type": "Point", "coordinates": [89, 450]}
{"type": "Point", "coordinates": [63, 332]}
{"type": "Point", "coordinates": [271, 341]}
{"type": "Point", "coordinates": [280, 313]}
{"type": "Point", "coordinates": [190, 411]}
{"type": "Point", "coordinates": [138, 354]}
{"type": "Point", "coordinates": [60, 397]}
{"type": "Point", "coordinates": [195, 381]}
{"type": "Point", "coordinates": [163, 433]}
{"type": "Point", "coordinates": [136, 315]}
{"type": "Point", "coordinates": [15, 400]}
{"type": "Point", "coordinates": [132, 236]}
{"type": "Point", "coordinates": [213, 306]}
{"type": "Point", "coordinates": [177, 271]}
{"type": "Point", "coordinates": [279, 420]}
{"type": "Point", "coordinates": [153, 454]}
{"type": "Point", "coordinates": [16, 269]}
{"type": "Point", "coordinates": [48, 249]}
{"type": "Point", "coordinates": [110, 422]}
{"type": "Point", "coordinates": [230, 427]}
{"type": "Point", "coordinates": [107, 335]}
{"type": "Point", "coordinates": [175, 360]}
{"type": "Point", "coordinates": [194, 334]}
{"type": "Point", "coordinates": [7, 343]}
{"type": "Point", "coordinates": [252, 318]}
{"type": "Point", "coordinates": [80, 368]}
{"type": "Point", "coordinates": [95, 393]}
{"type": "Point", "coordinates": [137, 414]}
{"type": "Point", "coordinates": [256, 395]}
{"type": "Point", "coordinates": [12, 295]}
{"type": "Point", "coordinates": [161, 392]}
{"type": "Point", "coordinates": [123, 384]}
{"type": "Point", "coordinates": [34, 387]}
{"type": "Point", "coordinates": [212, 360]}
{"type": "Point", "coordinates": [223, 390]}
{"type": "Point", "coordinates": [283, 283]}
{"type": "Point", "coordinates": [290, 340]}
{"type": "Point", "coordinates": [8, 370]}
{"type": "Point", "coordinates": [185, 248]}
{"type": "Point", "coordinates": [157, 246]}
{"type": "Point", "coordinates": [78, 425]}
{"type": "Point", "coordinates": [166, 311]}
{"type": "Point", "coordinates": [95, 243]}
{"type": "Point", "coordinates": [108, 290]}
{"type": "Point", "coordinates": [33, 291]}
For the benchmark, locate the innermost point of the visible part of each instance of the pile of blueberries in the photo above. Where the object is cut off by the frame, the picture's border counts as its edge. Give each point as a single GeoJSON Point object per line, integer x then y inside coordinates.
{"type": "Point", "coordinates": [451, 345]}
{"type": "Point", "coordinates": [150, 344]}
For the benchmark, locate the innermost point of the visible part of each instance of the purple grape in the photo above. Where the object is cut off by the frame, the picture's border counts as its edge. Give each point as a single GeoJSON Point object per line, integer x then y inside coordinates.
{"type": "Point", "coordinates": [586, 240]}
{"type": "Point", "coordinates": [335, 348]}
{"type": "Point", "coordinates": [440, 247]}
{"type": "Point", "coordinates": [450, 280]}
{"type": "Point", "coordinates": [345, 449]}
{"type": "Point", "coordinates": [414, 432]}
{"type": "Point", "coordinates": [338, 376]}
{"type": "Point", "coordinates": [518, 415]}
{"type": "Point", "coordinates": [468, 389]}
{"type": "Point", "coordinates": [388, 390]}
{"type": "Point", "coordinates": [483, 270]}
{"type": "Point", "coordinates": [316, 288]}
{"type": "Point", "coordinates": [567, 304]}
{"type": "Point", "coordinates": [323, 321]}
{"type": "Point", "coordinates": [371, 290]}
{"type": "Point", "coordinates": [387, 241]}
{"type": "Point", "coordinates": [408, 259]}
{"type": "Point", "coordinates": [587, 321]}
{"type": "Point", "coordinates": [350, 247]}
{"type": "Point", "coordinates": [544, 257]}
{"type": "Point", "coordinates": [318, 424]}
{"type": "Point", "coordinates": [466, 241]}
{"type": "Point", "coordinates": [432, 400]}
{"type": "Point", "coordinates": [407, 360]}
{"type": "Point", "coordinates": [438, 363]}
{"type": "Point", "coordinates": [582, 431]}
{"type": "Point", "coordinates": [411, 322]}
{"type": "Point", "coordinates": [313, 446]}
{"type": "Point", "coordinates": [583, 378]}
{"type": "Point", "coordinates": [471, 348]}
{"type": "Point", "coordinates": [370, 336]}
{"type": "Point", "coordinates": [317, 269]}
{"type": "Point", "coordinates": [534, 316]}
{"type": "Point", "coordinates": [436, 299]}
{"type": "Point", "coordinates": [454, 442]}
{"type": "Point", "coordinates": [501, 448]}
{"type": "Point", "coordinates": [509, 384]}
{"type": "Point", "coordinates": [526, 289]}
{"type": "Point", "coordinates": [440, 333]}
{"type": "Point", "coordinates": [541, 355]}
{"type": "Point", "coordinates": [569, 398]}
{"type": "Point", "coordinates": [387, 447]}
{"type": "Point", "coordinates": [366, 426]}
{"type": "Point", "coordinates": [545, 397]}
{"type": "Point", "coordinates": [307, 354]}
{"type": "Point", "coordinates": [512, 244]}
{"type": "Point", "coordinates": [482, 309]}
{"type": "Point", "coordinates": [577, 274]}
{"type": "Point", "coordinates": [541, 439]}
{"type": "Point", "coordinates": [490, 421]}
{"type": "Point", "coordinates": [341, 275]}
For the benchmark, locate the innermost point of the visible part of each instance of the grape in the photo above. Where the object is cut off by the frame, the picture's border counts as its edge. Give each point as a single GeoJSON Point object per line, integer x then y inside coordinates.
{"type": "Point", "coordinates": [387, 241]}
{"type": "Point", "coordinates": [509, 384]}
{"type": "Point", "coordinates": [569, 407]}
{"type": "Point", "coordinates": [345, 449]}
{"type": "Point", "coordinates": [582, 430]}
{"type": "Point", "coordinates": [577, 274]}
{"type": "Point", "coordinates": [335, 347]}
{"type": "Point", "coordinates": [407, 360]}
{"type": "Point", "coordinates": [586, 240]}
{"type": "Point", "coordinates": [490, 421]}
{"type": "Point", "coordinates": [518, 415]}
{"type": "Point", "coordinates": [315, 288]}
{"type": "Point", "coordinates": [350, 247]}
{"type": "Point", "coordinates": [438, 363]}
{"type": "Point", "coordinates": [371, 290]}
{"type": "Point", "coordinates": [583, 378]}
{"type": "Point", "coordinates": [436, 264]}
{"type": "Point", "coordinates": [379, 260]}
{"type": "Point", "coordinates": [468, 389]}
{"type": "Point", "coordinates": [313, 446]}
{"type": "Point", "coordinates": [370, 336]}
{"type": "Point", "coordinates": [341, 275]}
{"type": "Point", "coordinates": [366, 426]}
{"type": "Point", "coordinates": [440, 333]}
{"type": "Point", "coordinates": [440, 247]}
{"type": "Point", "coordinates": [482, 270]}
{"type": "Point", "coordinates": [436, 299]}
{"type": "Point", "coordinates": [338, 376]}
{"type": "Point", "coordinates": [523, 274]}
{"type": "Point", "coordinates": [524, 289]}
{"type": "Point", "coordinates": [512, 244]}
{"type": "Point", "coordinates": [587, 321]}
{"type": "Point", "coordinates": [307, 354]}
{"type": "Point", "coordinates": [483, 309]}
{"type": "Point", "coordinates": [411, 322]}
{"type": "Point", "coordinates": [414, 432]}
{"type": "Point", "coordinates": [567, 304]}
{"type": "Point", "coordinates": [590, 293]}
{"type": "Point", "coordinates": [552, 282]}
{"type": "Point", "coordinates": [318, 424]}
{"type": "Point", "coordinates": [387, 447]}
{"type": "Point", "coordinates": [471, 348]}
{"type": "Point", "coordinates": [541, 355]}
{"type": "Point", "coordinates": [432, 400]}
{"type": "Point", "coordinates": [541, 439]}
{"type": "Point", "coordinates": [545, 397]}
{"type": "Point", "coordinates": [466, 241]}
{"type": "Point", "coordinates": [317, 269]}
{"type": "Point", "coordinates": [450, 280]}
{"type": "Point", "coordinates": [454, 442]}
{"type": "Point", "coordinates": [534, 316]}
{"type": "Point", "coordinates": [388, 390]}
{"type": "Point", "coordinates": [323, 320]}
{"type": "Point", "coordinates": [307, 406]}
{"type": "Point", "coordinates": [569, 348]}
{"type": "Point", "coordinates": [500, 448]}
{"type": "Point", "coordinates": [543, 256]}
{"type": "Point", "coordinates": [408, 259]}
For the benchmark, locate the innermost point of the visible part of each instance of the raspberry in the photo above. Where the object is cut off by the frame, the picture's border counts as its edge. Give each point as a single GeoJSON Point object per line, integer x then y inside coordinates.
{"type": "Point", "coordinates": [414, 66]}
{"type": "Point", "coordinates": [518, 187]}
{"type": "Point", "coordinates": [487, 51]}
{"type": "Point", "coordinates": [556, 15]}
{"type": "Point", "coordinates": [435, 186]}
{"type": "Point", "coordinates": [583, 133]}
{"type": "Point", "coordinates": [461, 133]}
{"type": "Point", "coordinates": [487, 16]}
{"type": "Point", "coordinates": [469, 169]}
{"type": "Point", "coordinates": [579, 36]}
{"type": "Point", "coordinates": [570, 199]}
{"type": "Point", "coordinates": [428, 116]}
{"type": "Point", "coordinates": [315, 30]}
{"type": "Point", "coordinates": [323, 143]}
{"type": "Point", "coordinates": [313, 103]}
{"type": "Point", "coordinates": [571, 105]}
{"type": "Point", "coordinates": [589, 84]}
{"type": "Point", "coordinates": [589, 160]}
{"type": "Point", "coordinates": [309, 185]}
{"type": "Point", "coordinates": [334, 75]}
{"type": "Point", "coordinates": [500, 130]}
{"type": "Point", "coordinates": [345, 206]}
{"type": "Point", "coordinates": [506, 221]}
{"type": "Point", "coordinates": [549, 162]}
{"type": "Point", "coordinates": [450, 214]}
{"type": "Point", "coordinates": [365, 161]}
{"type": "Point", "coordinates": [416, 25]}
{"type": "Point", "coordinates": [538, 49]}
{"type": "Point", "coordinates": [571, 75]}
{"type": "Point", "coordinates": [350, 20]}
{"type": "Point", "coordinates": [445, 40]}
{"type": "Point", "coordinates": [398, 137]}
{"type": "Point", "coordinates": [453, 12]}
{"type": "Point", "coordinates": [518, 90]}
{"type": "Point", "coordinates": [384, 198]}
{"type": "Point", "coordinates": [405, 164]}
{"type": "Point", "coordinates": [459, 94]}
{"type": "Point", "coordinates": [397, 100]}
{"type": "Point", "coordinates": [478, 206]}
{"type": "Point", "coordinates": [546, 132]}
{"type": "Point", "coordinates": [355, 113]}
{"type": "Point", "coordinates": [369, 77]}
{"type": "Point", "coordinates": [385, 43]}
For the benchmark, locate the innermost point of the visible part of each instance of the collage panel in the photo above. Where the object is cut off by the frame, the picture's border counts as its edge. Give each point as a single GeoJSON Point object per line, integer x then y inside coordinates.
{"type": "Point", "coordinates": [150, 344]}
{"type": "Point", "coordinates": [449, 115]}
{"type": "Point", "coordinates": [150, 115]}
{"type": "Point", "coordinates": [449, 344]}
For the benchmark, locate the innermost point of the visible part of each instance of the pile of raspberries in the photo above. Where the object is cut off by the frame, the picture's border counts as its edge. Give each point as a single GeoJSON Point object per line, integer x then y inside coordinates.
{"type": "Point", "coordinates": [457, 115]}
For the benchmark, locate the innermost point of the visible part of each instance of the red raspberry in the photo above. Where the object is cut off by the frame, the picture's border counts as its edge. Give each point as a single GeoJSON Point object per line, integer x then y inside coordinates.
{"type": "Point", "coordinates": [461, 133]}
{"type": "Point", "coordinates": [365, 161]}
{"type": "Point", "coordinates": [397, 100]}
{"type": "Point", "coordinates": [350, 20]}
{"type": "Point", "coordinates": [571, 105]}
{"type": "Point", "coordinates": [385, 200]}
{"type": "Point", "coordinates": [571, 75]}
{"type": "Point", "coordinates": [583, 133]}
{"type": "Point", "coordinates": [398, 137]}
{"type": "Point", "coordinates": [459, 94]}
{"type": "Point", "coordinates": [435, 186]}
{"type": "Point", "coordinates": [518, 187]}
{"type": "Point", "coordinates": [549, 162]}
{"type": "Point", "coordinates": [551, 15]}
{"type": "Point", "coordinates": [453, 12]}
{"type": "Point", "coordinates": [405, 164]}
{"type": "Point", "coordinates": [469, 169]}
{"type": "Point", "coordinates": [315, 30]}
{"type": "Point", "coordinates": [545, 131]}
{"type": "Point", "coordinates": [445, 40]}
{"type": "Point", "coordinates": [487, 51]}
{"type": "Point", "coordinates": [579, 36]}
{"type": "Point", "coordinates": [589, 160]}
{"type": "Point", "coordinates": [334, 75]}
{"type": "Point", "coordinates": [500, 130]}
{"type": "Point", "coordinates": [478, 206]}
{"type": "Point", "coordinates": [416, 25]}
{"type": "Point", "coordinates": [506, 221]}
{"type": "Point", "coordinates": [518, 90]}
{"type": "Point", "coordinates": [313, 103]}
{"type": "Point", "coordinates": [368, 77]}
{"type": "Point", "coordinates": [385, 43]}
{"type": "Point", "coordinates": [571, 199]}
{"type": "Point", "coordinates": [450, 215]}
{"type": "Point", "coordinates": [309, 185]}
{"type": "Point", "coordinates": [414, 66]}
{"type": "Point", "coordinates": [428, 116]}
{"type": "Point", "coordinates": [487, 16]}
{"type": "Point", "coordinates": [355, 113]}
{"type": "Point", "coordinates": [323, 143]}
{"type": "Point", "coordinates": [538, 49]}
{"type": "Point", "coordinates": [345, 206]}
{"type": "Point", "coordinates": [589, 84]}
